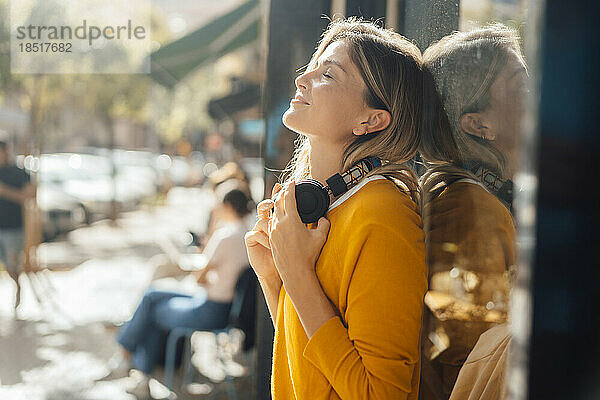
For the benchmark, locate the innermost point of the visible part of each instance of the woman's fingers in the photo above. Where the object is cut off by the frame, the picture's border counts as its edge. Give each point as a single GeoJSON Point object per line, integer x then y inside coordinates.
{"type": "Point", "coordinates": [276, 188]}
{"type": "Point", "coordinates": [262, 225]}
{"type": "Point", "coordinates": [266, 203]}
{"type": "Point", "coordinates": [263, 209]}
{"type": "Point", "coordinates": [279, 210]}
{"type": "Point", "coordinates": [254, 238]}
{"type": "Point", "coordinates": [290, 201]}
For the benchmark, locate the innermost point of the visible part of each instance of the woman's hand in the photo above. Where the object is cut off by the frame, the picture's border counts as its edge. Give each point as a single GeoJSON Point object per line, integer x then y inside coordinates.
{"type": "Point", "coordinates": [295, 247]}
{"type": "Point", "coordinates": [257, 240]}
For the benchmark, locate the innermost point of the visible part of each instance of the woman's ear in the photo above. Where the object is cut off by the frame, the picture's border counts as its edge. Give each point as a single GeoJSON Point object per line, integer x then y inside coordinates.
{"type": "Point", "coordinates": [378, 120]}
{"type": "Point", "coordinates": [473, 124]}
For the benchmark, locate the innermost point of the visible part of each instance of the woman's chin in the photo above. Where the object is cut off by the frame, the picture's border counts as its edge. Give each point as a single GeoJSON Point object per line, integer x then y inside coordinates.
{"type": "Point", "coordinates": [297, 123]}
{"type": "Point", "coordinates": [289, 119]}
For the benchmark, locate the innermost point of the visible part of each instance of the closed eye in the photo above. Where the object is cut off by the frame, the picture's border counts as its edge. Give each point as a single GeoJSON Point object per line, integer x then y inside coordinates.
{"type": "Point", "coordinates": [326, 75]}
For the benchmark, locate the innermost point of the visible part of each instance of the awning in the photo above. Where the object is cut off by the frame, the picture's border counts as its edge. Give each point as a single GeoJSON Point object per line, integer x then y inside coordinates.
{"type": "Point", "coordinates": [173, 62]}
{"type": "Point", "coordinates": [244, 96]}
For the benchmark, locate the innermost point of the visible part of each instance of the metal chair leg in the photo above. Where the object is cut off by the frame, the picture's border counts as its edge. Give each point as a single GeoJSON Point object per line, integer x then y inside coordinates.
{"type": "Point", "coordinates": [171, 352]}
{"type": "Point", "coordinates": [186, 361]}
{"type": "Point", "coordinates": [170, 359]}
{"type": "Point", "coordinates": [232, 393]}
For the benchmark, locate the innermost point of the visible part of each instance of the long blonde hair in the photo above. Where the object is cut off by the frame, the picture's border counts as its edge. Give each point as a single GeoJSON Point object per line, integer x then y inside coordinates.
{"type": "Point", "coordinates": [464, 65]}
{"type": "Point", "coordinates": [390, 66]}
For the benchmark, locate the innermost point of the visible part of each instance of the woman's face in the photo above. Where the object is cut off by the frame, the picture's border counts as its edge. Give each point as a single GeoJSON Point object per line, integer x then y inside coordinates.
{"type": "Point", "coordinates": [329, 100]}
{"type": "Point", "coordinates": [503, 115]}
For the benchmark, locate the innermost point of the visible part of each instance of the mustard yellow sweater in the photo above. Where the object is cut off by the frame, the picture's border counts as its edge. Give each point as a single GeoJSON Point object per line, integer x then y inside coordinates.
{"type": "Point", "coordinates": [373, 270]}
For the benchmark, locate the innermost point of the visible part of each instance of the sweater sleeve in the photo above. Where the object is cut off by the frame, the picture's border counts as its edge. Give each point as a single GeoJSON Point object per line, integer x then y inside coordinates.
{"type": "Point", "coordinates": [375, 355]}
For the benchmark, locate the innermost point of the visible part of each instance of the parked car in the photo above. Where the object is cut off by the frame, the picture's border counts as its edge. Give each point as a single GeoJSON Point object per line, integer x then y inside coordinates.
{"type": "Point", "coordinates": [60, 212]}
{"type": "Point", "coordinates": [89, 179]}
{"type": "Point", "coordinates": [134, 166]}
{"type": "Point", "coordinates": [181, 171]}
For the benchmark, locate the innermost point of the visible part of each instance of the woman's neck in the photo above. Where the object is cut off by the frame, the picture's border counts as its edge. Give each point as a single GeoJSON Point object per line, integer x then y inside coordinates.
{"type": "Point", "coordinates": [325, 160]}
{"type": "Point", "coordinates": [511, 163]}
{"type": "Point", "coordinates": [510, 160]}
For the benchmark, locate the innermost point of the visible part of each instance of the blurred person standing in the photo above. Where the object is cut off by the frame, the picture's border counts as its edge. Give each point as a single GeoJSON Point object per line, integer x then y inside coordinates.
{"type": "Point", "coordinates": [15, 189]}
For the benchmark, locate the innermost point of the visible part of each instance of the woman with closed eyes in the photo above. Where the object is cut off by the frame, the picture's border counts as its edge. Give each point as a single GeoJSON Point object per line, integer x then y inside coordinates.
{"type": "Point", "coordinates": [346, 293]}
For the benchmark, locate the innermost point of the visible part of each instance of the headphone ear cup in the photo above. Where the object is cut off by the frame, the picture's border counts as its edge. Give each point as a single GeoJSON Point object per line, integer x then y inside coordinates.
{"type": "Point", "coordinates": [312, 200]}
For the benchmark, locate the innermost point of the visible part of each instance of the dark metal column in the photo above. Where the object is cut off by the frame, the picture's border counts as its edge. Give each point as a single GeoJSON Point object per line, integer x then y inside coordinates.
{"type": "Point", "coordinates": [564, 349]}
{"type": "Point", "coordinates": [368, 9]}
{"type": "Point", "coordinates": [400, 17]}
{"type": "Point", "coordinates": [293, 28]}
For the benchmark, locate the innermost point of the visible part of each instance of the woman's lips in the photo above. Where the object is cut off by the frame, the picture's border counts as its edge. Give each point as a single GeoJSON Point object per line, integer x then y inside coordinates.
{"type": "Point", "coordinates": [299, 100]}
{"type": "Point", "coordinates": [296, 101]}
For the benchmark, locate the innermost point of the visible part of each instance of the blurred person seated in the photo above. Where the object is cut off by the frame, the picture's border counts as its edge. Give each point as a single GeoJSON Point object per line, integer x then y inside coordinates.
{"type": "Point", "coordinates": [170, 264]}
{"type": "Point", "coordinates": [470, 153]}
{"type": "Point", "coordinates": [230, 171]}
{"type": "Point", "coordinates": [143, 338]}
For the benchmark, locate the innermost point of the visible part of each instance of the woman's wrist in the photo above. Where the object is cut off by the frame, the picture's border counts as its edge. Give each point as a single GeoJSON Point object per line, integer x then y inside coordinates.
{"type": "Point", "coordinates": [299, 277]}
{"type": "Point", "coordinates": [272, 280]}
{"type": "Point", "coordinates": [271, 287]}
{"type": "Point", "coordinates": [302, 280]}
{"type": "Point", "coordinates": [312, 304]}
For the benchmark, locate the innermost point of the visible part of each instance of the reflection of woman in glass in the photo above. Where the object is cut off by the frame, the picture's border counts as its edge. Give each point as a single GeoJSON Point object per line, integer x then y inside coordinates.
{"type": "Point", "coordinates": [346, 297]}
{"type": "Point", "coordinates": [468, 192]}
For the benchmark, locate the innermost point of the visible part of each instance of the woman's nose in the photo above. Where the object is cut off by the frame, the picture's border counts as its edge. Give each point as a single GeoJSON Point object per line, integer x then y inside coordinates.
{"type": "Point", "coordinates": [301, 81]}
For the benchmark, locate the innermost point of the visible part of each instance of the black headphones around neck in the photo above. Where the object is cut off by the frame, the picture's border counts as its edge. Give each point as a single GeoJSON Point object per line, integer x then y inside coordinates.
{"type": "Point", "coordinates": [501, 188]}
{"type": "Point", "coordinates": [313, 198]}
